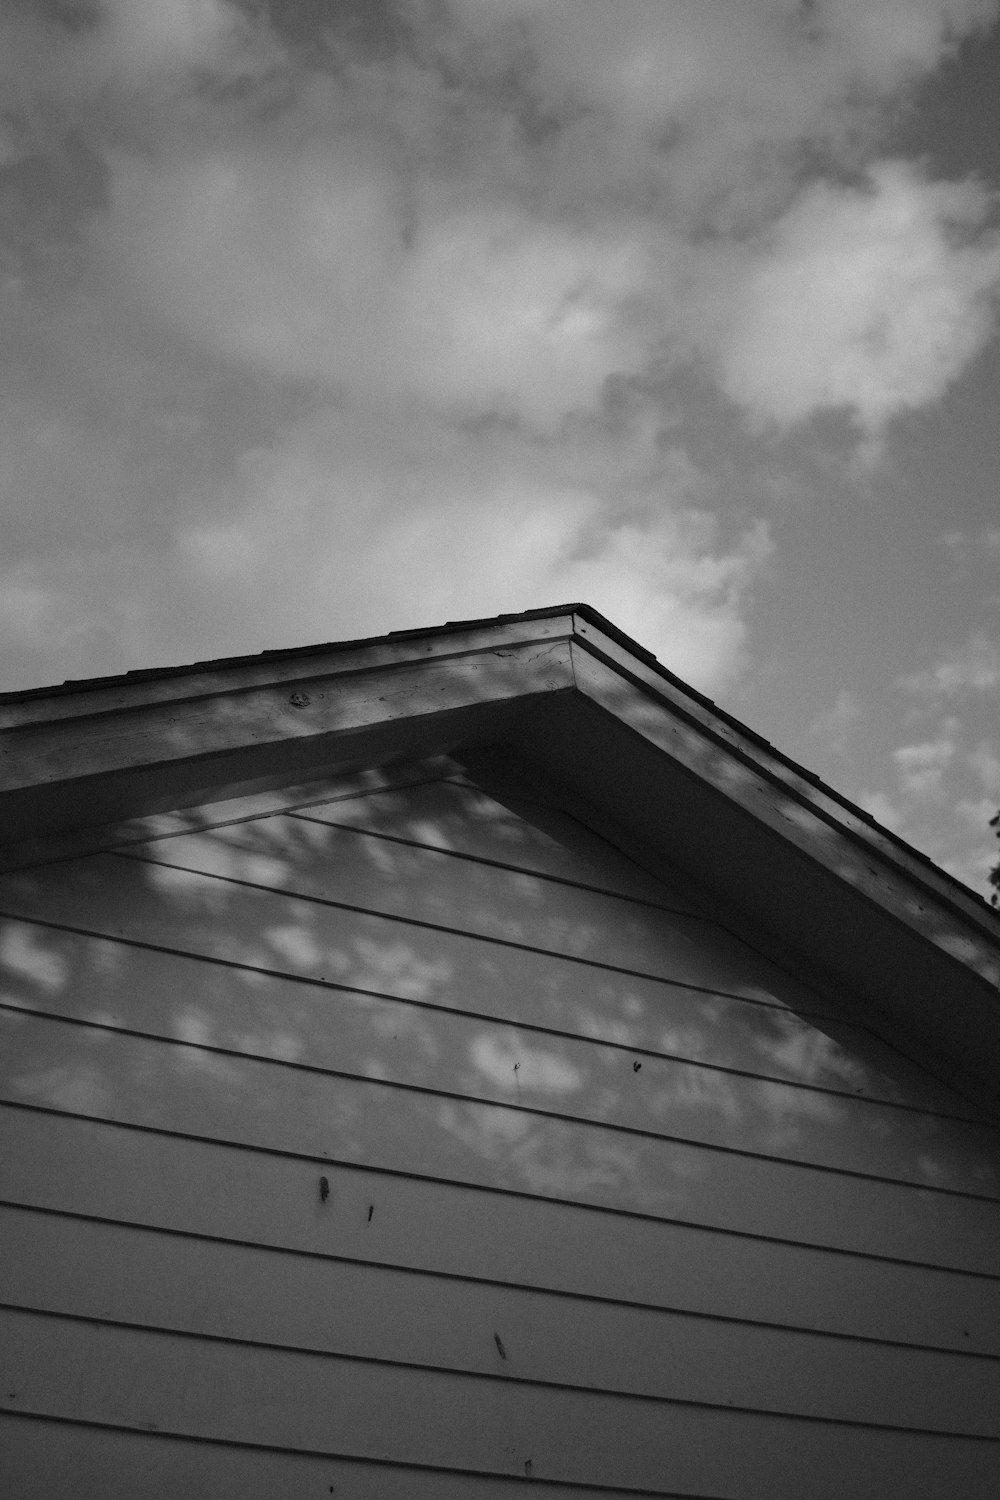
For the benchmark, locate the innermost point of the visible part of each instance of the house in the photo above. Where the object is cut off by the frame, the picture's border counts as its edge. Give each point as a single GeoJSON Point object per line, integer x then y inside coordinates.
{"type": "Point", "coordinates": [470, 1059]}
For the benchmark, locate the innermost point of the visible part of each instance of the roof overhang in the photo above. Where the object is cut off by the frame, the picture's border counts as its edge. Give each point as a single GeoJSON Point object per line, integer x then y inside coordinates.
{"type": "Point", "coordinates": [586, 704]}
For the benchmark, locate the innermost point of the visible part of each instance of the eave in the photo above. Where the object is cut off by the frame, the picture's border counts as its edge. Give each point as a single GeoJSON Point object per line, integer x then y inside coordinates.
{"type": "Point", "coordinates": [575, 696]}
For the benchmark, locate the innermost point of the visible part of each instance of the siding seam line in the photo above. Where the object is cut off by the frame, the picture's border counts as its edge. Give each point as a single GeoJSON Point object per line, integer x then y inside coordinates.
{"type": "Point", "coordinates": [338, 987]}
{"type": "Point", "coordinates": [487, 1475]}
{"type": "Point", "coordinates": [697, 989]}
{"type": "Point", "coordinates": [155, 838]}
{"type": "Point", "coordinates": [494, 1377]}
{"type": "Point", "coordinates": [495, 864]}
{"type": "Point", "coordinates": [482, 1102]}
{"type": "Point", "coordinates": [529, 1288]}
{"type": "Point", "coordinates": [533, 1026]}
{"type": "Point", "coordinates": [320, 1159]}
{"type": "Point", "coordinates": [463, 932]}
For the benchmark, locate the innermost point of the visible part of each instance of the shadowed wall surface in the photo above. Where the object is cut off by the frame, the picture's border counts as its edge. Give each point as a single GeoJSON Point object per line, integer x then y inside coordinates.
{"type": "Point", "coordinates": [423, 1143]}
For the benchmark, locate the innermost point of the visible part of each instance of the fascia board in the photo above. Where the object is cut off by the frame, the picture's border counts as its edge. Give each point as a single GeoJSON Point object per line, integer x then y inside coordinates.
{"type": "Point", "coordinates": [798, 785]}
{"type": "Point", "coordinates": [269, 670]}
{"type": "Point", "coordinates": [151, 753]}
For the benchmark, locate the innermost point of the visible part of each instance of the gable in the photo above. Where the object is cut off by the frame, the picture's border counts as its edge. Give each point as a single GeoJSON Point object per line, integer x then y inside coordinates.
{"type": "Point", "coordinates": [673, 776]}
{"type": "Point", "coordinates": [422, 1095]}
{"type": "Point", "coordinates": [444, 892]}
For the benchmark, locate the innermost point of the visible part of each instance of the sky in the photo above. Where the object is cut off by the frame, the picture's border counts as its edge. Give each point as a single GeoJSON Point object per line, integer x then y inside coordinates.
{"type": "Point", "coordinates": [323, 318]}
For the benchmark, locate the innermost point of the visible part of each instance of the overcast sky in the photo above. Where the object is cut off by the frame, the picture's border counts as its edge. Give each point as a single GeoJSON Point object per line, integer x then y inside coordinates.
{"type": "Point", "coordinates": [323, 319]}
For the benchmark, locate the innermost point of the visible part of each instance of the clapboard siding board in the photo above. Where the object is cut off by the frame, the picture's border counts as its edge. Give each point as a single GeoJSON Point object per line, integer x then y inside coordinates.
{"type": "Point", "coordinates": [262, 927]}
{"type": "Point", "coordinates": [266, 1297]}
{"type": "Point", "coordinates": [171, 996]}
{"type": "Point", "coordinates": [249, 918]}
{"type": "Point", "coordinates": [103, 977]}
{"type": "Point", "coordinates": [139, 1378]}
{"type": "Point", "coordinates": [282, 942]}
{"type": "Point", "coordinates": [222, 1095]}
{"type": "Point", "coordinates": [308, 858]}
{"type": "Point", "coordinates": [520, 833]}
{"type": "Point", "coordinates": [75, 1166]}
{"type": "Point", "coordinates": [178, 1087]}
{"type": "Point", "coordinates": [55, 1460]}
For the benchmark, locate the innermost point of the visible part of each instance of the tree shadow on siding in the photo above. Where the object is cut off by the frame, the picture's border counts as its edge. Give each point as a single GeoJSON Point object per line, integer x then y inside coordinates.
{"type": "Point", "coordinates": [307, 986]}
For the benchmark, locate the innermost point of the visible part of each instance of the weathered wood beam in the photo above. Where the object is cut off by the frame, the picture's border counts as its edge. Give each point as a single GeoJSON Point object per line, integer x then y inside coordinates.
{"type": "Point", "coordinates": [152, 752]}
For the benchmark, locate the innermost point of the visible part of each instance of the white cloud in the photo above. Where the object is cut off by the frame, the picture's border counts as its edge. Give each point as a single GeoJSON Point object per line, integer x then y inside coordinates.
{"type": "Point", "coordinates": [125, 55]}
{"type": "Point", "coordinates": [430, 274]}
{"type": "Point", "coordinates": [774, 65]}
{"type": "Point", "coordinates": [834, 727]}
{"type": "Point", "coordinates": [868, 299]}
{"type": "Point", "coordinates": [516, 316]}
{"type": "Point", "coordinates": [668, 583]}
{"type": "Point", "coordinates": [972, 668]}
{"type": "Point", "coordinates": [965, 548]}
{"type": "Point", "coordinates": [921, 767]}
{"type": "Point", "coordinates": [83, 612]}
{"type": "Point", "coordinates": [417, 533]}
{"type": "Point", "coordinates": [144, 36]}
{"type": "Point", "coordinates": [354, 523]}
{"type": "Point", "coordinates": [885, 40]}
{"type": "Point", "coordinates": [707, 104]}
{"type": "Point", "coordinates": [941, 808]}
{"type": "Point", "coordinates": [976, 811]}
{"type": "Point", "coordinates": [317, 265]}
{"type": "Point", "coordinates": [322, 247]}
{"type": "Point", "coordinates": [985, 762]}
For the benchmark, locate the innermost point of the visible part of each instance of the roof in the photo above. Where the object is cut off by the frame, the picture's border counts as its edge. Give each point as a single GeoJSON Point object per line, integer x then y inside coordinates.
{"type": "Point", "coordinates": [576, 696]}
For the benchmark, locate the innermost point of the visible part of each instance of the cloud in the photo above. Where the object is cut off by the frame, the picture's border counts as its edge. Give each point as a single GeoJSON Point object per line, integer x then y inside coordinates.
{"type": "Point", "coordinates": [976, 811]}
{"type": "Point", "coordinates": [970, 669]}
{"type": "Point", "coordinates": [315, 265]}
{"type": "Point", "coordinates": [893, 39]}
{"type": "Point", "coordinates": [985, 762]}
{"type": "Point", "coordinates": [867, 299]}
{"type": "Point", "coordinates": [921, 767]}
{"type": "Point", "coordinates": [140, 37]}
{"type": "Point", "coordinates": [405, 530]}
{"type": "Point", "coordinates": [965, 548]}
{"type": "Point", "coordinates": [348, 524]}
{"type": "Point", "coordinates": [774, 68]}
{"type": "Point", "coordinates": [940, 806]}
{"type": "Point", "coordinates": [75, 54]}
{"type": "Point", "coordinates": [434, 249]}
{"type": "Point", "coordinates": [332, 337]}
{"type": "Point", "coordinates": [834, 727]}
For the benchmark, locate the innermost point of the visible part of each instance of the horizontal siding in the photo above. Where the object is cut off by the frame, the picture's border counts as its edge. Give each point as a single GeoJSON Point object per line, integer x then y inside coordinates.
{"type": "Point", "coordinates": [409, 1130]}
{"type": "Point", "coordinates": [417, 884]}
{"type": "Point", "coordinates": [140, 1277]}
{"type": "Point", "coordinates": [171, 996]}
{"type": "Point", "coordinates": [259, 1198]}
{"type": "Point", "coordinates": [268, 930]}
{"type": "Point", "coordinates": [138, 1378]}
{"type": "Point", "coordinates": [522, 834]}
{"type": "Point", "coordinates": [256, 923]}
{"type": "Point", "coordinates": [59, 1460]}
{"type": "Point", "coordinates": [183, 1088]}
